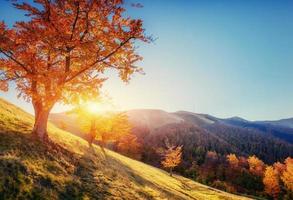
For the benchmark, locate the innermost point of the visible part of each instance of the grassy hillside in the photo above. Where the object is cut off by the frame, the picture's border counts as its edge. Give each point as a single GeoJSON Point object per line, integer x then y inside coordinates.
{"type": "Point", "coordinates": [67, 169]}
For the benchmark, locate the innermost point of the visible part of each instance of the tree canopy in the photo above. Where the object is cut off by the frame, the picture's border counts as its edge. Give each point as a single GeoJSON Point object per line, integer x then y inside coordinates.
{"type": "Point", "coordinates": [172, 157]}
{"type": "Point", "coordinates": [62, 51]}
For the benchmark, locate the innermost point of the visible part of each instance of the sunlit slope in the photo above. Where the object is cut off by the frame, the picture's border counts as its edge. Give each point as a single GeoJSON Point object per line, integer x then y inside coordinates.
{"type": "Point", "coordinates": [69, 170]}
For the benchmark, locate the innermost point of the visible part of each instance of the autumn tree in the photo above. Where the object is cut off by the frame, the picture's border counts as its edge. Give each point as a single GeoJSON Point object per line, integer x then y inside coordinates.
{"type": "Point", "coordinates": [271, 182]}
{"type": "Point", "coordinates": [62, 51]}
{"type": "Point", "coordinates": [233, 160]}
{"type": "Point", "coordinates": [211, 157]}
{"type": "Point", "coordinates": [210, 166]}
{"type": "Point", "coordinates": [256, 166]}
{"type": "Point", "coordinates": [279, 167]}
{"type": "Point", "coordinates": [101, 126]}
{"type": "Point", "coordinates": [287, 176]}
{"type": "Point", "coordinates": [117, 126]}
{"type": "Point", "coordinates": [211, 161]}
{"type": "Point", "coordinates": [128, 145]}
{"type": "Point", "coordinates": [172, 157]}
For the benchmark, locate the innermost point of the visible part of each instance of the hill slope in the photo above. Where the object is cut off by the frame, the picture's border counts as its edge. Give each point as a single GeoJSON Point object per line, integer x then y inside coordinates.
{"type": "Point", "coordinates": [67, 169]}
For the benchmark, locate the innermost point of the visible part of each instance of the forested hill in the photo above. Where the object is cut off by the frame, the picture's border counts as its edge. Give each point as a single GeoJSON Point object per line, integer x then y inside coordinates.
{"type": "Point", "coordinates": [198, 133]}
{"type": "Point", "coordinates": [67, 169]}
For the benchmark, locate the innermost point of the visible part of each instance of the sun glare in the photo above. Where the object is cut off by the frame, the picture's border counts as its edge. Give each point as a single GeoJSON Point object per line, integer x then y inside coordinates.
{"type": "Point", "coordinates": [93, 107]}
{"type": "Point", "coordinates": [98, 107]}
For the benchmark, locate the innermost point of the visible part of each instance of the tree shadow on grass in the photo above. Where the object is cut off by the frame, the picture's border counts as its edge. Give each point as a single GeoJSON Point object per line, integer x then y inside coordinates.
{"type": "Point", "coordinates": [20, 158]}
{"type": "Point", "coordinates": [95, 175]}
{"type": "Point", "coordinates": [101, 176]}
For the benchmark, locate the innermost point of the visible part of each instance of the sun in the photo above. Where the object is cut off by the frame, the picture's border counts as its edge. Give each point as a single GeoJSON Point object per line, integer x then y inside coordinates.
{"type": "Point", "coordinates": [93, 107]}
{"type": "Point", "coordinates": [98, 107]}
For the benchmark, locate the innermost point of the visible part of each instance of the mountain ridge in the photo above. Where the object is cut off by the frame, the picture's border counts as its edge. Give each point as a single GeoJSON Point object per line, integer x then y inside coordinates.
{"type": "Point", "coordinates": [155, 118]}
{"type": "Point", "coordinates": [233, 135]}
{"type": "Point", "coordinates": [287, 122]}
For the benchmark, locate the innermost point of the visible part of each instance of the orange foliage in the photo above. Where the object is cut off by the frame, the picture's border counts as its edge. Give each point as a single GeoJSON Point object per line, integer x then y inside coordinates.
{"type": "Point", "coordinates": [129, 146]}
{"type": "Point", "coordinates": [105, 127]}
{"type": "Point", "coordinates": [115, 126]}
{"type": "Point", "coordinates": [256, 166]}
{"type": "Point", "coordinates": [243, 162]}
{"type": "Point", "coordinates": [279, 167]}
{"type": "Point", "coordinates": [287, 176]}
{"type": "Point", "coordinates": [62, 51]}
{"type": "Point", "coordinates": [271, 182]}
{"type": "Point", "coordinates": [233, 160]}
{"type": "Point", "coordinates": [172, 157]}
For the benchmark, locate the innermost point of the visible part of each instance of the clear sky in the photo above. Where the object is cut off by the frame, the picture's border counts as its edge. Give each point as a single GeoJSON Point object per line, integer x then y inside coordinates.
{"type": "Point", "coordinates": [224, 58]}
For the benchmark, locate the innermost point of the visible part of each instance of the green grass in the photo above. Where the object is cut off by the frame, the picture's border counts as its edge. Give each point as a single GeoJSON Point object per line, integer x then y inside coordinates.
{"type": "Point", "coordinates": [68, 169]}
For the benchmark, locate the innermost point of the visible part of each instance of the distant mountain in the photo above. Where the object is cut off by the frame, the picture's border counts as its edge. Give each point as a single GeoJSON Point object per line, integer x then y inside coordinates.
{"type": "Point", "coordinates": [152, 118]}
{"type": "Point", "coordinates": [279, 129]}
{"type": "Point", "coordinates": [194, 118]}
{"type": "Point", "coordinates": [282, 122]}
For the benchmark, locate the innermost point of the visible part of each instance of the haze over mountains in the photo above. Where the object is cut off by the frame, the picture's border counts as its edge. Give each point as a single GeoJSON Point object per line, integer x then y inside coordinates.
{"type": "Point", "coordinates": [155, 118]}
{"type": "Point", "coordinates": [199, 133]}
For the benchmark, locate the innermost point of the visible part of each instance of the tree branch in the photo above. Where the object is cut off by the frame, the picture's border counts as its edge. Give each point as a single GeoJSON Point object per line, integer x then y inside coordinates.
{"type": "Point", "coordinates": [100, 60]}
{"type": "Point", "coordinates": [67, 62]}
{"type": "Point", "coordinates": [86, 29]}
{"type": "Point", "coordinates": [49, 64]}
{"type": "Point", "coordinates": [75, 20]}
{"type": "Point", "coordinates": [15, 60]}
{"type": "Point", "coordinates": [87, 21]}
{"type": "Point", "coordinates": [17, 76]}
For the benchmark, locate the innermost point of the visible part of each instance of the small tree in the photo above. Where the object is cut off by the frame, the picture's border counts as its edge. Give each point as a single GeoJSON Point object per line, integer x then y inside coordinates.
{"type": "Point", "coordinates": [287, 176]}
{"type": "Point", "coordinates": [172, 158]}
{"type": "Point", "coordinates": [279, 167]}
{"type": "Point", "coordinates": [106, 126]}
{"type": "Point", "coordinates": [271, 182]}
{"type": "Point", "coordinates": [129, 146]}
{"type": "Point", "coordinates": [256, 166]}
{"type": "Point", "coordinates": [117, 127]}
{"type": "Point", "coordinates": [61, 53]}
{"type": "Point", "coordinates": [233, 161]}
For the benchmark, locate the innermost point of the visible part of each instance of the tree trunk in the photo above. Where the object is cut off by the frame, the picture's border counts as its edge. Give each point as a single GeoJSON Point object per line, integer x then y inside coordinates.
{"type": "Point", "coordinates": [90, 138]}
{"type": "Point", "coordinates": [40, 126]}
{"type": "Point", "coordinates": [170, 172]}
{"type": "Point", "coordinates": [102, 143]}
{"type": "Point", "coordinates": [92, 134]}
{"type": "Point", "coordinates": [102, 146]}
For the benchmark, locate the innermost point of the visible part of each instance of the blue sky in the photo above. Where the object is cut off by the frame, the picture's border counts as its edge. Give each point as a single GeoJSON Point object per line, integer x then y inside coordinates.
{"type": "Point", "coordinates": [224, 58]}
